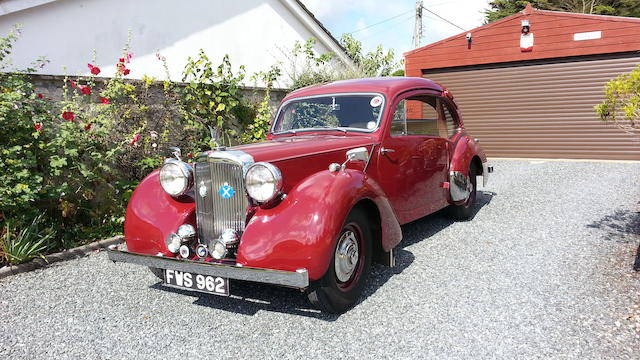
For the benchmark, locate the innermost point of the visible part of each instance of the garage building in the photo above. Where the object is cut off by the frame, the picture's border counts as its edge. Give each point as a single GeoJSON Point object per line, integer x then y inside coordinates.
{"type": "Point", "coordinates": [527, 84]}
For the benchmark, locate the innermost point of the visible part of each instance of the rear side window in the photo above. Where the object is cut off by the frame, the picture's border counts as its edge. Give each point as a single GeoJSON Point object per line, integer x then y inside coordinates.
{"type": "Point", "coordinates": [423, 115]}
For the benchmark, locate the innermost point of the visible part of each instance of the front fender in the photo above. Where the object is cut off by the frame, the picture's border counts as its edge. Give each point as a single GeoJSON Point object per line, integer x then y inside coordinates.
{"type": "Point", "coordinates": [152, 215]}
{"type": "Point", "coordinates": [301, 231]}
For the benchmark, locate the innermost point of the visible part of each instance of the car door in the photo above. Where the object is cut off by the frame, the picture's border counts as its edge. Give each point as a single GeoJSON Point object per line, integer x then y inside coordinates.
{"type": "Point", "coordinates": [413, 159]}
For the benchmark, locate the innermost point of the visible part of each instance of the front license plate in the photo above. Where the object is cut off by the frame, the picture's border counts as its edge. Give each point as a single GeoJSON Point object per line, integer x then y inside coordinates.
{"type": "Point", "coordinates": [204, 283]}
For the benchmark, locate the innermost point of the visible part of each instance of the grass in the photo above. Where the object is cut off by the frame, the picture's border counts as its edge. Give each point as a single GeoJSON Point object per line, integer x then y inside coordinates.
{"type": "Point", "coordinates": [18, 245]}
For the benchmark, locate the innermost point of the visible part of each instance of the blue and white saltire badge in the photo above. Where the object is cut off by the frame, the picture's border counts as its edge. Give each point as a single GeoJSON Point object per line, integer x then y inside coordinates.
{"type": "Point", "coordinates": [226, 191]}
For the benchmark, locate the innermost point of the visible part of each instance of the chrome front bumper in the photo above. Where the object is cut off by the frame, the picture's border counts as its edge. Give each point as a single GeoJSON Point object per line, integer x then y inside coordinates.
{"type": "Point", "coordinates": [298, 279]}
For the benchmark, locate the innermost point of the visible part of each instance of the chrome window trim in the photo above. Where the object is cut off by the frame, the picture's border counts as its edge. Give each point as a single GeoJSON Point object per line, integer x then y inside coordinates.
{"type": "Point", "coordinates": [382, 108]}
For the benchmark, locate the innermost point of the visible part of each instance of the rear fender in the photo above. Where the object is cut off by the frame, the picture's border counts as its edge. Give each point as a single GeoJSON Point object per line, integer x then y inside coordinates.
{"type": "Point", "coordinates": [301, 231]}
{"type": "Point", "coordinates": [466, 152]}
{"type": "Point", "coordinates": [152, 215]}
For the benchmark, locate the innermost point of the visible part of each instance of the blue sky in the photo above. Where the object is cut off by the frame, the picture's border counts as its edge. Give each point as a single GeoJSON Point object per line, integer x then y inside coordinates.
{"type": "Point", "coordinates": [340, 16]}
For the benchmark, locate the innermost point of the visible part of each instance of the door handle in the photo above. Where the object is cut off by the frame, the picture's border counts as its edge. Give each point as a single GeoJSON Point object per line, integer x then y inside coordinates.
{"type": "Point", "coordinates": [385, 150]}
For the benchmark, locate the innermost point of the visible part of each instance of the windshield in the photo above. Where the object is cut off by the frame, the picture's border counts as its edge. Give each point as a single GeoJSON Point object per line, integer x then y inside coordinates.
{"type": "Point", "coordinates": [345, 112]}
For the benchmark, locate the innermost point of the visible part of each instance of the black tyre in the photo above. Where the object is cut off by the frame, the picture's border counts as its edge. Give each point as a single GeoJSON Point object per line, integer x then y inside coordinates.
{"type": "Point", "coordinates": [465, 211]}
{"type": "Point", "coordinates": [341, 286]}
{"type": "Point", "coordinates": [158, 273]}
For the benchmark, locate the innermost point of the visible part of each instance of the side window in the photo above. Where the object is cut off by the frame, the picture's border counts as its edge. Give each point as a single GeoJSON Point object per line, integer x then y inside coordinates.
{"type": "Point", "coordinates": [416, 116]}
{"type": "Point", "coordinates": [424, 115]}
{"type": "Point", "coordinates": [450, 121]}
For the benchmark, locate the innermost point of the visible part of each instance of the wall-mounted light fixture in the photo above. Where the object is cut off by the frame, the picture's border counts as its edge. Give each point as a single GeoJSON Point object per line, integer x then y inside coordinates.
{"type": "Point", "coordinates": [526, 37]}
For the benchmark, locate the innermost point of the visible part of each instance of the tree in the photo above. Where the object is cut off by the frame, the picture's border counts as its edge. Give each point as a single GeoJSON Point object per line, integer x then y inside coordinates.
{"type": "Point", "coordinates": [310, 68]}
{"type": "Point", "coordinates": [499, 9]}
{"type": "Point", "coordinates": [622, 102]}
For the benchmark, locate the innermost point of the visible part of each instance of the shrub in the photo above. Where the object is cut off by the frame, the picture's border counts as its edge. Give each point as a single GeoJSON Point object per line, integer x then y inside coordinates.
{"type": "Point", "coordinates": [621, 104]}
{"type": "Point", "coordinates": [309, 68]}
{"type": "Point", "coordinates": [78, 160]}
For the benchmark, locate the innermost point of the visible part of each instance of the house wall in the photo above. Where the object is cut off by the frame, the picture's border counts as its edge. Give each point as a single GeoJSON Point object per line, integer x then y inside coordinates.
{"type": "Point", "coordinates": [255, 33]}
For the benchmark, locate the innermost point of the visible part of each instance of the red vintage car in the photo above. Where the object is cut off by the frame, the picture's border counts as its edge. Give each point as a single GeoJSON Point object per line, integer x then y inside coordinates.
{"type": "Point", "coordinates": [345, 164]}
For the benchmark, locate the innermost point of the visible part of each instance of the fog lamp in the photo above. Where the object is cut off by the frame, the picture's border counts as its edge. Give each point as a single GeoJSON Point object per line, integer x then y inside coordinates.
{"type": "Point", "coordinates": [187, 233]}
{"type": "Point", "coordinates": [219, 250]}
{"type": "Point", "coordinates": [173, 242]}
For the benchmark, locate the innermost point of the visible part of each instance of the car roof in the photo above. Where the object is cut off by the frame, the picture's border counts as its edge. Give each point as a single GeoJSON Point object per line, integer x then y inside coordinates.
{"type": "Point", "coordinates": [389, 86]}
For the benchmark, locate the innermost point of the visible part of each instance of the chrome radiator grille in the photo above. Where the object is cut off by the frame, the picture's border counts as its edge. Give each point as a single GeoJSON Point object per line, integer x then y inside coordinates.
{"type": "Point", "coordinates": [215, 212]}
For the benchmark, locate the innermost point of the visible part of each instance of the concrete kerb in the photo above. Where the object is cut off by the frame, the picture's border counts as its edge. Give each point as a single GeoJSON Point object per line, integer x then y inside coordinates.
{"type": "Point", "coordinates": [69, 254]}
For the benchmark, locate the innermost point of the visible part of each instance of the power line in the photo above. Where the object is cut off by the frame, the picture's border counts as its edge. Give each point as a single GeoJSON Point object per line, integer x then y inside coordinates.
{"type": "Point", "coordinates": [384, 29]}
{"type": "Point", "coordinates": [380, 22]}
{"type": "Point", "coordinates": [443, 19]}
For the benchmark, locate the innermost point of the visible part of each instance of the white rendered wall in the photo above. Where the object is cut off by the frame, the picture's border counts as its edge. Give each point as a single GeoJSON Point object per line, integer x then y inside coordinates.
{"type": "Point", "coordinates": [66, 32]}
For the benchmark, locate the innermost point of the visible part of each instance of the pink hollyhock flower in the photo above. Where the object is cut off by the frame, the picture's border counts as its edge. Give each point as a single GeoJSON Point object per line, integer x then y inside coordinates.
{"type": "Point", "coordinates": [73, 83]}
{"type": "Point", "coordinates": [158, 56]}
{"type": "Point", "coordinates": [94, 69]}
{"type": "Point", "coordinates": [68, 115]}
{"type": "Point", "coordinates": [104, 100]}
{"type": "Point", "coordinates": [85, 90]}
{"type": "Point", "coordinates": [40, 96]}
{"type": "Point", "coordinates": [88, 127]}
{"type": "Point", "coordinates": [135, 139]}
{"type": "Point", "coordinates": [129, 56]}
{"type": "Point", "coordinates": [38, 126]}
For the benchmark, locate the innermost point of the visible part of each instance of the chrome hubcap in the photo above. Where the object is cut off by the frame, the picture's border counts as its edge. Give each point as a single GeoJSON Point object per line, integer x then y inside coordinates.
{"type": "Point", "coordinates": [346, 257]}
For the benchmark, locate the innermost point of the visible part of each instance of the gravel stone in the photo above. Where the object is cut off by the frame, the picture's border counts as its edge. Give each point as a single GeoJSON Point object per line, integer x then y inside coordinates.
{"type": "Point", "coordinates": [545, 269]}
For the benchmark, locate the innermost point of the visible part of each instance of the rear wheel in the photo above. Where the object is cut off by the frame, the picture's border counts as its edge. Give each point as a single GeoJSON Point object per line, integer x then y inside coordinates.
{"type": "Point", "coordinates": [464, 211]}
{"type": "Point", "coordinates": [342, 284]}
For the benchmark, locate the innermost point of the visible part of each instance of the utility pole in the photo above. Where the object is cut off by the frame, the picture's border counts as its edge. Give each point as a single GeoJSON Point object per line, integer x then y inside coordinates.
{"type": "Point", "coordinates": [418, 28]}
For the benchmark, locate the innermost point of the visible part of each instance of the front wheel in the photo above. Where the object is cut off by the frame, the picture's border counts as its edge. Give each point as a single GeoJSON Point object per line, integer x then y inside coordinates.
{"type": "Point", "coordinates": [342, 284]}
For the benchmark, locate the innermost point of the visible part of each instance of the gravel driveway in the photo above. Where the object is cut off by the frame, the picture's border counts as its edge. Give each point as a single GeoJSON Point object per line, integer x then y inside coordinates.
{"type": "Point", "coordinates": [544, 269]}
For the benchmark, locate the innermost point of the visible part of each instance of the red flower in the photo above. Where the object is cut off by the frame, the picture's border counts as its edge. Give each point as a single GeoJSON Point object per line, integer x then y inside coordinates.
{"type": "Point", "coordinates": [73, 83]}
{"type": "Point", "coordinates": [40, 96]}
{"type": "Point", "coordinates": [190, 155]}
{"type": "Point", "coordinates": [94, 69]}
{"type": "Point", "coordinates": [88, 127]}
{"type": "Point", "coordinates": [135, 139]}
{"type": "Point", "coordinates": [121, 60]}
{"type": "Point", "coordinates": [104, 100]}
{"type": "Point", "coordinates": [85, 90]}
{"type": "Point", "coordinates": [126, 71]}
{"type": "Point", "coordinates": [68, 115]}
{"type": "Point", "coordinates": [38, 126]}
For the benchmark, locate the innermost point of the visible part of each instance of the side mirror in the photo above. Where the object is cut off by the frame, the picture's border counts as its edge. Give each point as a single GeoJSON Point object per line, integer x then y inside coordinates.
{"type": "Point", "coordinates": [358, 154]}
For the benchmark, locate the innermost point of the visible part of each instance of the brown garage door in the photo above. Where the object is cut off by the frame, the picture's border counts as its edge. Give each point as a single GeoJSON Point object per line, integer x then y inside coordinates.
{"type": "Point", "coordinates": [543, 110]}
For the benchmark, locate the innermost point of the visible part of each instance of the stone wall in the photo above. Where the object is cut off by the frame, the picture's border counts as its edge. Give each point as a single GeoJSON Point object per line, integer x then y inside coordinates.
{"type": "Point", "coordinates": [51, 87]}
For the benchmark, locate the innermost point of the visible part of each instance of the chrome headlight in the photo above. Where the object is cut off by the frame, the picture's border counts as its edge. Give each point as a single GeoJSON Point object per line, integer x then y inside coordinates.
{"type": "Point", "coordinates": [263, 182]}
{"type": "Point", "coordinates": [176, 177]}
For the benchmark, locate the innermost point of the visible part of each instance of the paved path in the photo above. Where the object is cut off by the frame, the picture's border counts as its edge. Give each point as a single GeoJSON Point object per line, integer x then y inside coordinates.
{"type": "Point", "coordinates": [543, 270]}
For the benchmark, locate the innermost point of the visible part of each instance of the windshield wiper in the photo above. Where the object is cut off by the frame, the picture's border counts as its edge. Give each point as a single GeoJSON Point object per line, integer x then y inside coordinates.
{"type": "Point", "coordinates": [340, 128]}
